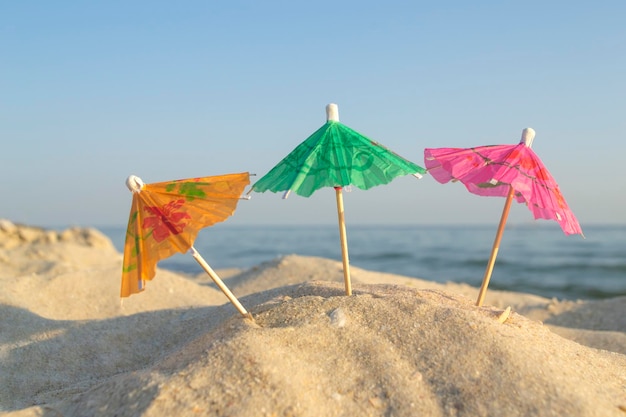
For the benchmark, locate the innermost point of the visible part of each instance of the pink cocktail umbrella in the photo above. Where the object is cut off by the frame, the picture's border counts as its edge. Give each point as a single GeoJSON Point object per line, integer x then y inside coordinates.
{"type": "Point", "coordinates": [511, 171]}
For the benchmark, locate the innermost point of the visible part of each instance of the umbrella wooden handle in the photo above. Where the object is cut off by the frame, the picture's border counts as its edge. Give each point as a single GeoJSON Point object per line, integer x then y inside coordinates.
{"type": "Point", "coordinates": [495, 248]}
{"type": "Point", "coordinates": [344, 242]}
{"type": "Point", "coordinates": [218, 281]}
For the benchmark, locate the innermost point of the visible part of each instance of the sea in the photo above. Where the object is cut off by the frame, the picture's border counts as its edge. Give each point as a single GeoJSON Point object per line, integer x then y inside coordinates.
{"type": "Point", "coordinates": [535, 258]}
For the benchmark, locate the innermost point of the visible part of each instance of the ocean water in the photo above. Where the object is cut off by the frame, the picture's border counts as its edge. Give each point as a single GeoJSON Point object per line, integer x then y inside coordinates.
{"type": "Point", "coordinates": [536, 258]}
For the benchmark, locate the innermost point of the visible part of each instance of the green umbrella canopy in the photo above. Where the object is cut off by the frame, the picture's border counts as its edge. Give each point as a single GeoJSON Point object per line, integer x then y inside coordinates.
{"type": "Point", "coordinates": [335, 156]}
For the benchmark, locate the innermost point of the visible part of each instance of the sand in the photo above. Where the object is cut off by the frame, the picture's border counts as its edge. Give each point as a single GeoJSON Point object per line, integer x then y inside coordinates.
{"type": "Point", "coordinates": [398, 347]}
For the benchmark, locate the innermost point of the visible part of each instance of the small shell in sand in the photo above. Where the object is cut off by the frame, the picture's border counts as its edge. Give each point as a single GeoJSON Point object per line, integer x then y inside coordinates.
{"type": "Point", "coordinates": [504, 315]}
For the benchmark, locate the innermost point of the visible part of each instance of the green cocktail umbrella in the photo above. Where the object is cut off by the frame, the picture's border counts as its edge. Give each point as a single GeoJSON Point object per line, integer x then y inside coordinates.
{"type": "Point", "coordinates": [336, 156]}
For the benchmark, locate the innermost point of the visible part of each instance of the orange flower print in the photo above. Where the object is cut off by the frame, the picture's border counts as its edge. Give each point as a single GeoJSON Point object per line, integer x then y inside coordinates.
{"type": "Point", "coordinates": [166, 220]}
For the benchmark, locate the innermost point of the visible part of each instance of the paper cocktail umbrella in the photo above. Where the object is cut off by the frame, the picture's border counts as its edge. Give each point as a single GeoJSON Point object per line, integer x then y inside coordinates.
{"type": "Point", "coordinates": [165, 218]}
{"type": "Point", "coordinates": [511, 171]}
{"type": "Point", "coordinates": [336, 156]}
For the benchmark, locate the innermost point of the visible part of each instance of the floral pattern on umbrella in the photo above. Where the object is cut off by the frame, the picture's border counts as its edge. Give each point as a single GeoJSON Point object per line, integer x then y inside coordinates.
{"type": "Point", "coordinates": [166, 217]}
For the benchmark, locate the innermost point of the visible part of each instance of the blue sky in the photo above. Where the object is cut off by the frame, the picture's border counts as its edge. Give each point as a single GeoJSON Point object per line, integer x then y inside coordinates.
{"type": "Point", "coordinates": [91, 92]}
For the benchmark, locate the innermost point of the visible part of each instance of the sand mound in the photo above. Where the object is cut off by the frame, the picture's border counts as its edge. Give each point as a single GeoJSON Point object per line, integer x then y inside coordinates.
{"type": "Point", "coordinates": [411, 348]}
{"type": "Point", "coordinates": [14, 235]}
{"type": "Point", "coordinates": [388, 350]}
{"type": "Point", "coordinates": [296, 269]}
{"type": "Point", "coordinates": [75, 275]}
{"type": "Point", "coordinates": [32, 250]}
{"type": "Point", "coordinates": [63, 324]}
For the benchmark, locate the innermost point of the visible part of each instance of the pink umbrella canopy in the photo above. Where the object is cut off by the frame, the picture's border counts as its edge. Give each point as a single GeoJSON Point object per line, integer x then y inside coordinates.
{"type": "Point", "coordinates": [494, 170]}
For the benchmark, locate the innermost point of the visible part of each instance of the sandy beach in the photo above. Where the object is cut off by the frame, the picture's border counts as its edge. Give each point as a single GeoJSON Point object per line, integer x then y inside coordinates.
{"type": "Point", "coordinates": [398, 346]}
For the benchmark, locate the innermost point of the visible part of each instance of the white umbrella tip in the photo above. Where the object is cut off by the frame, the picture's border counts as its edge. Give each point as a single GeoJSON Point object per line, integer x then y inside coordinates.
{"type": "Point", "coordinates": [134, 183]}
{"type": "Point", "coordinates": [528, 135]}
{"type": "Point", "coordinates": [332, 112]}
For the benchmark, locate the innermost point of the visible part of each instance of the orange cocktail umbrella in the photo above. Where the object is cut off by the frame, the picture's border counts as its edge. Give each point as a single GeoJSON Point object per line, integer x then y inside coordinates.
{"type": "Point", "coordinates": [165, 218]}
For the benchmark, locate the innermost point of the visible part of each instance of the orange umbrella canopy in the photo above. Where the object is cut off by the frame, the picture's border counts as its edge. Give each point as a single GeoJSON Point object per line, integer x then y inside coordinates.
{"type": "Point", "coordinates": [165, 218]}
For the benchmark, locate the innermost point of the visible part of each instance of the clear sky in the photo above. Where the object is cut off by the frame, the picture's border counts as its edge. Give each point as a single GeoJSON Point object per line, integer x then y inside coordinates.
{"type": "Point", "coordinates": [91, 92]}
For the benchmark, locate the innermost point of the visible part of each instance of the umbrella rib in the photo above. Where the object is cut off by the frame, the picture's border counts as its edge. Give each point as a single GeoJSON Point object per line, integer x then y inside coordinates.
{"type": "Point", "coordinates": [507, 164]}
{"type": "Point", "coordinates": [553, 191]}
